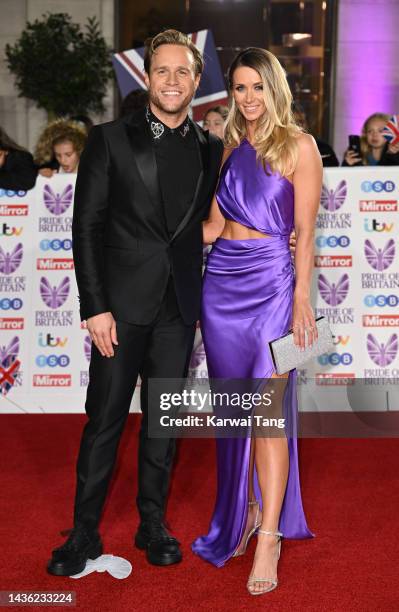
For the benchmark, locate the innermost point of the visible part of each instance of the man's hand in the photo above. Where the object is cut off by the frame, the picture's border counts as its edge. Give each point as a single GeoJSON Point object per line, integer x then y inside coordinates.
{"type": "Point", "coordinates": [102, 330]}
{"type": "Point", "coordinates": [292, 243]}
{"type": "Point", "coordinates": [46, 172]}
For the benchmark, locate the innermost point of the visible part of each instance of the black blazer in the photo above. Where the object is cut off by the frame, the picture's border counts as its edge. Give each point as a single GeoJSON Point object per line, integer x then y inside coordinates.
{"type": "Point", "coordinates": [18, 172]}
{"type": "Point", "coordinates": [122, 252]}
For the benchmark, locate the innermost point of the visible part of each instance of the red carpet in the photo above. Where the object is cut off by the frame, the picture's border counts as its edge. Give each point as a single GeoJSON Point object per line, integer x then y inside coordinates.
{"type": "Point", "coordinates": [351, 498]}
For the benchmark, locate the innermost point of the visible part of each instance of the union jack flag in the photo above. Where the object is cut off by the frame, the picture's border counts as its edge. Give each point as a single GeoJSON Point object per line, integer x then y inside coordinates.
{"type": "Point", "coordinates": [129, 69]}
{"type": "Point", "coordinates": [391, 130]}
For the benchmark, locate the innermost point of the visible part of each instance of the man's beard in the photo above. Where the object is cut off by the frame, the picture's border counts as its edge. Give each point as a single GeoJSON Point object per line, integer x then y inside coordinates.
{"type": "Point", "coordinates": [154, 99]}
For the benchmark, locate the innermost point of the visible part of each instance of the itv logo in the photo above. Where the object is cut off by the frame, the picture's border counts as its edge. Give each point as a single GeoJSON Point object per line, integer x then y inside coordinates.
{"type": "Point", "coordinates": [49, 340]}
{"type": "Point", "coordinates": [372, 225]}
{"type": "Point", "coordinates": [7, 230]}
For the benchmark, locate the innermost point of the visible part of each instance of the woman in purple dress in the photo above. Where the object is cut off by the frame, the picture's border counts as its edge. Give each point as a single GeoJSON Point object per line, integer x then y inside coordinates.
{"type": "Point", "coordinates": [269, 184]}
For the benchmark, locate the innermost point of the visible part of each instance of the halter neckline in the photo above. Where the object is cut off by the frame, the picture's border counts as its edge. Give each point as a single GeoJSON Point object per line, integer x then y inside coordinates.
{"type": "Point", "coordinates": [245, 140]}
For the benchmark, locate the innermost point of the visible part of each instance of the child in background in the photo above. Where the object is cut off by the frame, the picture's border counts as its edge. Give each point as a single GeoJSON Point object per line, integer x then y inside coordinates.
{"type": "Point", "coordinates": [59, 148]}
{"type": "Point", "coordinates": [374, 149]}
{"type": "Point", "coordinates": [214, 120]}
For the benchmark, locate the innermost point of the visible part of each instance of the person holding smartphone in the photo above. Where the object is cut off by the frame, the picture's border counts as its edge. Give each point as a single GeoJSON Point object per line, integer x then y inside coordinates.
{"type": "Point", "coordinates": [371, 148]}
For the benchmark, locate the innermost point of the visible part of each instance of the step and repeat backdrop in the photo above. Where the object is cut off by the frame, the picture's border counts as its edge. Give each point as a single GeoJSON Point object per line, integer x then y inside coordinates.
{"type": "Point", "coordinates": [45, 349]}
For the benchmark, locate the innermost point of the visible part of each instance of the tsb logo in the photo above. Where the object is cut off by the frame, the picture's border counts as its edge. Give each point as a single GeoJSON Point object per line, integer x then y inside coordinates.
{"type": "Point", "coordinates": [335, 359]}
{"type": "Point", "coordinates": [9, 193]}
{"type": "Point", "coordinates": [52, 361]}
{"type": "Point", "coordinates": [11, 304]}
{"type": "Point", "coordinates": [56, 245]}
{"type": "Point", "coordinates": [378, 186]}
{"type": "Point", "coordinates": [381, 300]}
{"type": "Point", "coordinates": [333, 241]}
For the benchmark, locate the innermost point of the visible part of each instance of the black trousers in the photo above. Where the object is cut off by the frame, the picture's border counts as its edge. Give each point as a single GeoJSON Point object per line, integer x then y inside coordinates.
{"type": "Point", "coordinates": [159, 350]}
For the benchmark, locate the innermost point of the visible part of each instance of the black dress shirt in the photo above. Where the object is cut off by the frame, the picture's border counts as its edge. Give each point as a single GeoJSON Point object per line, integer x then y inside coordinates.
{"type": "Point", "coordinates": [178, 162]}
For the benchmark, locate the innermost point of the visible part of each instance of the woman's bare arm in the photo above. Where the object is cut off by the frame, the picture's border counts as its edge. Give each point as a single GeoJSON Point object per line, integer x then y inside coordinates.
{"type": "Point", "coordinates": [307, 181]}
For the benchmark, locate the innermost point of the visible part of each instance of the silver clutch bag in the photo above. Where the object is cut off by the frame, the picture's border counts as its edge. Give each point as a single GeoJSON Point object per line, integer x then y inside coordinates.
{"type": "Point", "coordinates": [286, 356]}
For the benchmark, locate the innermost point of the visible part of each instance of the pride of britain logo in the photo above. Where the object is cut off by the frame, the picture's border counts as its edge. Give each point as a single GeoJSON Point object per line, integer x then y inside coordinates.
{"type": "Point", "coordinates": [84, 374]}
{"type": "Point", "coordinates": [333, 199]}
{"type": "Point", "coordinates": [333, 293]}
{"type": "Point", "coordinates": [9, 365]}
{"type": "Point", "coordinates": [57, 203]}
{"type": "Point", "coordinates": [379, 258]}
{"type": "Point", "coordinates": [54, 296]}
{"type": "Point", "coordinates": [9, 264]}
{"type": "Point", "coordinates": [382, 354]}
{"type": "Point", "coordinates": [87, 347]}
{"type": "Point", "coordinates": [10, 261]}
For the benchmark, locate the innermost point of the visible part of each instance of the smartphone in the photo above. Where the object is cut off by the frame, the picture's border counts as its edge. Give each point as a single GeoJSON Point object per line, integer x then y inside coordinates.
{"type": "Point", "coordinates": [354, 144]}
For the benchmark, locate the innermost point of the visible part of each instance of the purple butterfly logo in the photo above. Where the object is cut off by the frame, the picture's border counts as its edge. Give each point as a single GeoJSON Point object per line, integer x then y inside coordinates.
{"type": "Point", "coordinates": [9, 262]}
{"type": "Point", "coordinates": [333, 293]}
{"type": "Point", "coordinates": [9, 365]}
{"type": "Point", "coordinates": [57, 203]}
{"type": "Point", "coordinates": [87, 347]}
{"type": "Point", "coordinates": [332, 199]}
{"type": "Point", "coordinates": [382, 354]}
{"type": "Point", "coordinates": [379, 259]}
{"type": "Point", "coordinates": [198, 354]}
{"type": "Point", "coordinates": [54, 297]}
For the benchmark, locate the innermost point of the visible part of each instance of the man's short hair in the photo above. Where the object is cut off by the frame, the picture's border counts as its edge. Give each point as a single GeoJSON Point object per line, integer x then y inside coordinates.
{"type": "Point", "coordinates": [172, 37]}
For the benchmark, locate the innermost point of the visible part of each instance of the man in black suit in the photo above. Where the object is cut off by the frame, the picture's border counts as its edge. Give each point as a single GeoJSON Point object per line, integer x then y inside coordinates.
{"type": "Point", "coordinates": [144, 185]}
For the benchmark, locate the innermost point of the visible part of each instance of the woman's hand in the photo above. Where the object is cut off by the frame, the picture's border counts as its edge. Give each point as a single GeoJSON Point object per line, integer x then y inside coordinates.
{"type": "Point", "coordinates": [211, 230]}
{"type": "Point", "coordinates": [351, 157]}
{"type": "Point", "coordinates": [303, 323]}
{"type": "Point", "coordinates": [293, 243]}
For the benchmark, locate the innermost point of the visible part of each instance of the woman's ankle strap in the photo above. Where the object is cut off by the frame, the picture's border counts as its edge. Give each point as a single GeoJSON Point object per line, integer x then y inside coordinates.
{"type": "Point", "coordinates": [273, 533]}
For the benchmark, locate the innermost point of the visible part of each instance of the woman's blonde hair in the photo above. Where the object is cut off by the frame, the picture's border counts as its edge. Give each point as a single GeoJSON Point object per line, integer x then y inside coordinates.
{"type": "Point", "coordinates": [276, 131]}
{"type": "Point", "coordinates": [365, 148]}
{"type": "Point", "coordinates": [60, 130]}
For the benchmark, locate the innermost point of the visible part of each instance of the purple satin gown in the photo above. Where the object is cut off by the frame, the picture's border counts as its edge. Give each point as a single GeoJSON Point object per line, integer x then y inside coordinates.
{"type": "Point", "coordinates": [247, 301]}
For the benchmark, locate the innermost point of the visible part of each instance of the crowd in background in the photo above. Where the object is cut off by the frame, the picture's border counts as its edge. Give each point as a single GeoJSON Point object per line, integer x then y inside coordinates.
{"type": "Point", "coordinates": [62, 141]}
{"type": "Point", "coordinates": [58, 150]}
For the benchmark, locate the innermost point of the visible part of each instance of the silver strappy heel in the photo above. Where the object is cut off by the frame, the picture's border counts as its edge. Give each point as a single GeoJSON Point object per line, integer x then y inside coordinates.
{"type": "Point", "coordinates": [272, 583]}
{"type": "Point", "coordinates": [257, 523]}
